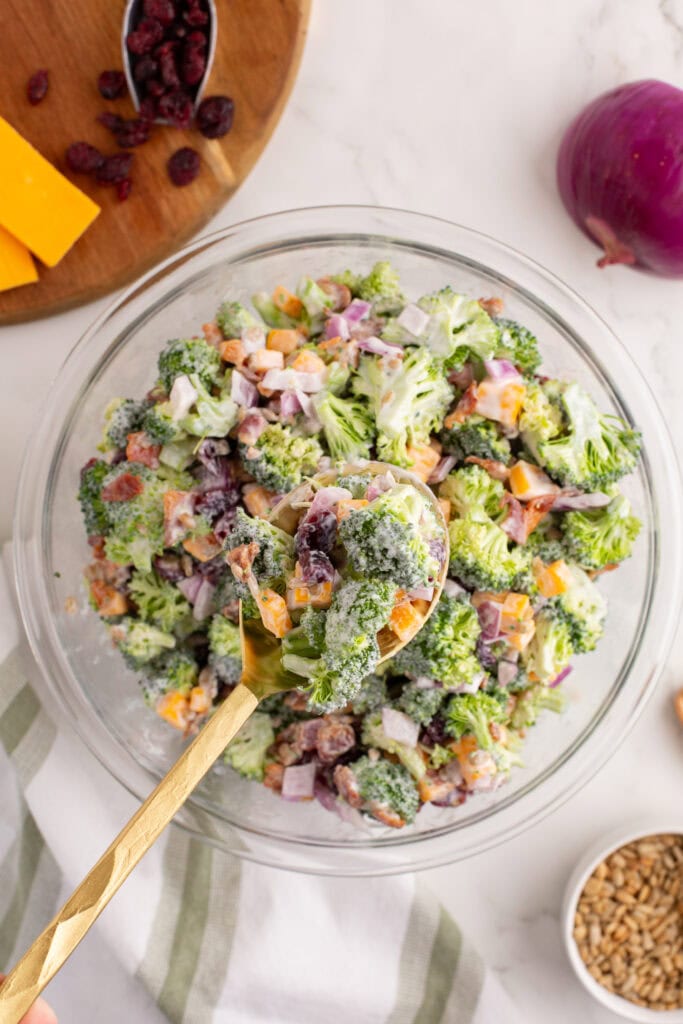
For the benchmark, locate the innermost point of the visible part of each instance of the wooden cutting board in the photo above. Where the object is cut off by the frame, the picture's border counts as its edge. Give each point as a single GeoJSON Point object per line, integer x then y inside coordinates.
{"type": "Point", "coordinates": [257, 55]}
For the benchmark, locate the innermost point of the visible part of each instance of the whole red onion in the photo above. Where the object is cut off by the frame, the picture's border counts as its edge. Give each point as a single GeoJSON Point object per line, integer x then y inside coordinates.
{"type": "Point", "coordinates": [620, 175]}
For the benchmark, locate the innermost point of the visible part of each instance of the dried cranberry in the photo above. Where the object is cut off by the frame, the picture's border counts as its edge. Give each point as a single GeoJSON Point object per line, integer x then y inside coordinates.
{"type": "Point", "coordinates": [114, 122]}
{"type": "Point", "coordinates": [145, 36]}
{"type": "Point", "coordinates": [183, 166]}
{"type": "Point", "coordinates": [114, 169]}
{"type": "Point", "coordinates": [434, 733]}
{"type": "Point", "coordinates": [167, 54]}
{"type": "Point", "coordinates": [214, 503]}
{"type": "Point", "coordinates": [154, 88]}
{"type": "Point", "coordinates": [194, 59]}
{"type": "Point", "coordinates": [36, 88]}
{"type": "Point", "coordinates": [195, 17]}
{"type": "Point", "coordinates": [315, 567]}
{"type": "Point", "coordinates": [223, 527]}
{"type": "Point", "coordinates": [178, 30]}
{"type": "Point", "coordinates": [123, 191]}
{"type": "Point", "coordinates": [145, 68]}
{"type": "Point", "coordinates": [215, 116]}
{"type": "Point", "coordinates": [112, 84]}
{"type": "Point", "coordinates": [148, 109]}
{"type": "Point", "coordinates": [176, 108]}
{"type": "Point", "coordinates": [317, 532]}
{"type": "Point", "coordinates": [133, 133]}
{"type": "Point", "coordinates": [169, 568]}
{"type": "Point", "coordinates": [83, 158]}
{"type": "Point", "coordinates": [162, 10]}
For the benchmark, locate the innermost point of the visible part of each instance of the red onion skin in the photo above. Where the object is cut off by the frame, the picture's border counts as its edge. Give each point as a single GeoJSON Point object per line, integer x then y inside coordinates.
{"type": "Point", "coordinates": [620, 175]}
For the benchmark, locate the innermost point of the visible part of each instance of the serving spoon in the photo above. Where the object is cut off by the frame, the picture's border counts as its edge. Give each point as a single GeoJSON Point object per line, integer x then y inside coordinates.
{"type": "Point", "coordinates": [262, 676]}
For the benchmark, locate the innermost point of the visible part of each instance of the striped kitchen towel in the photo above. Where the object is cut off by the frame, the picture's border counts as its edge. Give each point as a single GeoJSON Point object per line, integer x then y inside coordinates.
{"type": "Point", "coordinates": [213, 938]}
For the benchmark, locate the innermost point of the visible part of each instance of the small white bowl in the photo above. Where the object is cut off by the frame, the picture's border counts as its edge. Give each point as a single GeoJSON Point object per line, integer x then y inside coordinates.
{"type": "Point", "coordinates": [582, 872]}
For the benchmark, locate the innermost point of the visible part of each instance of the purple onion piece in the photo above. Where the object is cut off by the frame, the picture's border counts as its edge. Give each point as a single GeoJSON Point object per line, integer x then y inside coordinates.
{"type": "Point", "coordinates": [442, 469]}
{"type": "Point", "coordinates": [324, 795]}
{"type": "Point", "coordinates": [356, 311]}
{"type": "Point", "coordinates": [377, 347]}
{"type": "Point", "coordinates": [453, 589]}
{"type": "Point", "coordinates": [242, 391]}
{"type": "Point", "coordinates": [168, 568]}
{"type": "Point", "coordinates": [507, 672]}
{"type": "Point", "coordinates": [298, 781]}
{"type": "Point", "coordinates": [337, 327]}
{"type": "Point", "coordinates": [203, 602]}
{"type": "Point", "coordinates": [490, 616]}
{"type": "Point", "coordinates": [566, 501]}
{"type": "Point", "coordinates": [289, 404]}
{"type": "Point", "coordinates": [501, 369]}
{"type": "Point", "coordinates": [190, 587]}
{"type": "Point", "coordinates": [562, 676]}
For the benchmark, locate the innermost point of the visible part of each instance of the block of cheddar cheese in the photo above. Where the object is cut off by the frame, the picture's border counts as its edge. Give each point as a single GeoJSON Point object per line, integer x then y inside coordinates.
{"type": "Point", "coordinates": [38, 205]}
{"type": "Point", "coordinates": [16, 265]}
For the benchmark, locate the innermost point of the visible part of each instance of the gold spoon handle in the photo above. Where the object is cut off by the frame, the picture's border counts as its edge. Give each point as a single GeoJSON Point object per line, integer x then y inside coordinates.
{"type": "Point", "coordinates": [43, 959]}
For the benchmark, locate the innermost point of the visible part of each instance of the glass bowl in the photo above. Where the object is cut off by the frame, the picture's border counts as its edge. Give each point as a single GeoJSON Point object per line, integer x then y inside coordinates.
{"type": "Point", "coordinates": [117, 356]}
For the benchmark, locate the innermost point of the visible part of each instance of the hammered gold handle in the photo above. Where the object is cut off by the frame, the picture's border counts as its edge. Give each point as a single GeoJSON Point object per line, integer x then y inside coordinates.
{"type": "Point", "coordinates": [41, 962]}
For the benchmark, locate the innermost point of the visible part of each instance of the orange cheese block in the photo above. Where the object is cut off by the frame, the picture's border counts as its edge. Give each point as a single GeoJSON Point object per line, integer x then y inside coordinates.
{"type": "Point", "coordinates": [16, 265]}
{"type": "Point", "coordinates": [38, 205]}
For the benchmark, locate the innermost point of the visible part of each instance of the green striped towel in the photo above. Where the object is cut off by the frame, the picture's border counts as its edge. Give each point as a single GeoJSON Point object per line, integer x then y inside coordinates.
{"type": "Point", "coordinates": [215, 939]}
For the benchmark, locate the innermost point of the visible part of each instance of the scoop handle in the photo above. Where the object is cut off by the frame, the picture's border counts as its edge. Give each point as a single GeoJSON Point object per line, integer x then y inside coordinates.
{"type": "Point", "coordinates": [56, 943]}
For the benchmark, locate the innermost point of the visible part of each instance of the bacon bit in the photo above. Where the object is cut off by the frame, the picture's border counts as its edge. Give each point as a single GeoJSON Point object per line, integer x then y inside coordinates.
{"type": "Point", "coordinates": [386, 815]}
{"type": "Point", "coordinates": [178, 516]}
{"type": "Point", "coordinates": [465, 407]}
{"type": "Point", "coordinates": [493, 306]}
{"type": "Point", "coordinates": [461, 379]}
{"type": "Point", "coordinates": [346, 783]}
{"type": "Point", "coordinates": [333, 739]}
{"type": "Point", "coordinates": [610, 567]}
{"type": "Point", "coordinates": [123, 488]}
{"type": "Point", "coordinates": [107, 599]}
{"type": "Point", "coordinates": [213, 334]}
{"type": "Point", "coordinates": [140, 449]}
{"type": "Point", "coordinates": [203, 548]}
{"type": "Point", "coordinates": [523, 519]}
{"type": "Point", "coordinates": [498, 470]}
{"type": "Point", "coordinates": [241, 560]}
{"type": "Point", "coordinates": [537, 509]}
{"type": "Point", "coordinates": [97, 544]}
{"type": "Point", "coordinates": [273, 775]}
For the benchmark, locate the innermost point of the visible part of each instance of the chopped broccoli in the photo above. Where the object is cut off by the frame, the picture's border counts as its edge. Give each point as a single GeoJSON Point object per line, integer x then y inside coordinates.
{"type": "Point", "coordinates": [225, 649]}
{"type": "Point", "coordinates": [372, 695]}
{"type": "Point", "coordinates": [160, 426]}
{"type": "Point", "coordinates": [480, 556]}
{"type": "Point", "coordinates": [158, 601]}
{"type": "Point", "coordinates": [373, 735]}
{"type": "Point", "coordinates": [444, 648]}
{"type": "Point", "coordinates": [171, 671]}
{"type": "Point", "coordinates": [472, 487]}
{"type": "Point", "coordinates": [476, 436]}
{"type": "Point", "coordinates": [386, 786]}
{"type": "Point", "coordinates": [601, 536]}
{"type": "Point", "coordinates": [337, 379]}
{"type": "Point", "coordinates": [313, 624]}
{"type": "Point", "coordinates": [280, 459]}
{"type": "Point", "coordinates": [179, 454]}
{"type": "Point", "coordinates": [408, 401]}
{"type": "Point", "coordinates": [188, 356]}
{"type": "Point", "coordinates": [382, 288]}
{"type": "Point", "coordinates": [545, 542]}
{"type": "Point", "coordinates": [419, 703]}
{"type": "Point", "coordinates": [474, 713]}
{"type": "Point", "coordinates": [275, 558]}
{"type": "Point", "coordinates": [518, 345]}
{"type": "Point", "coordinates": [93, 509]}
{"type": "Point", "coordinates": [357, 483]}
{"type": "Point", "coordinates": [584, 609]}
{"type": "Point", "coordinates": [140, 642]}
{"type": "Point", "coordinates": [594, 450]}
{"type": "Point", "coordinates": [315, 300]}
{"type": "Point", "coordinates": [347, 426]}
{"type": "Point", "coordinates": [211, 415]}
{"type": "Point", "coordinates": [349, 279]}
{"type": "Point", "coordinates": [123, 416]}
{"type": "Point", "coordinates": [390, 538]}
{"type": "Point", "coordinates": [541, 417]}
{"type": "Point", "coordinates": [550, 650]}
{"type": "Point", "coordinates": [136, 526]}
{"type": "Point", "coordinates": [246, 752]}
{"type": "Point", "coordinates": [458, 329]}
{"type": "Point", "coordinates": [273, 316]}
{"type": "Point", "coordinates": [233, 318]}
{"type": "Point", "coordinates": [531, 702]}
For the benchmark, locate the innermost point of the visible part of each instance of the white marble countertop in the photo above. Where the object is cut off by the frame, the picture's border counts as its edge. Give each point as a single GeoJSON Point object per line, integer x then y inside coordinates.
{"type": "Point", "coordinates": [455, 110]}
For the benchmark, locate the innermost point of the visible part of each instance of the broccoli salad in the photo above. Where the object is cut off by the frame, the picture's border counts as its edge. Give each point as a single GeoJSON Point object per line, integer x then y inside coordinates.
{"type": "Point", "coordinates": [345, 369]}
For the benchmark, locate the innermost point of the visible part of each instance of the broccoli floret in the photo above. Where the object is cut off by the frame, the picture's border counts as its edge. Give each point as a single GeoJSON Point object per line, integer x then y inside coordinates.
{"type": "Point", "coordinates": [550, 650]}
{"type": "Point", "coordinates": [280, 459]}
{"type": "Point", "coordinates": [373, 735]}
{"type": "Point", "coordinates": [225, 649]}
{"type": "Point", "coordinates": [347, 426]}
{"type": "Point", "coordinates": [480, 556]}
{"type": "Point", "coordinates": [275, 558]}
{"type": "Point", "coordinates": [408, 401]}
{"type": "Point", "coordinates": [337, 378]}
{"type": "Point", "coordinates": [473, 713]}
{"type": "Point", "coordinates": [233, 318]}
{"type": "Point", "coordinates": [372, 695]}
{"type": "Point", "coordinates": [390, 538]}
{"type": "Point", "coordinates": [382, 288]}
{"type": "Point", "coordinates": [93, 509]}
{"type": "Point", "coordinates": [313, 624]}
{"type": "Point", "coordinates": [246, 753]}
{"type": "Point", "coordinates": [136, 526]}
{"type": "Point", "coordinates": [444, 648]}
{"type": "Point", "coordinates": [160, 426]}
{"type": "Point", "coordinates": [273, 316]}
{"type": "Point", "coordinates": [386, 786]}
{"type": "Point", "coordinates": [472, 487]}
{"type": "Point", "coordinates": [315, 301]}
{"type": "Point", "coordinates": [458, 329]}
{"type": "Point", "coordinates": [171, 671]}
{"type": "Point", "coordinates": [476, 436]}
{"type": "Point", "coordinates": [518, 345]}
{"type": "Point", "coordinates": [602, 536]}
{"type": "Point", "coordinates": [179, 454]}
{"type": "Point", "coordinates": [594, 450]}
{"type": "Point", "coordinates": [545, 542]}
{"type": "Point", "coordinates": [531, 702]}
{"type": "Point", "coordinates": [336, 677]}
{"type": "Point", "coordinates": [419, 703]}
{"type": "Point", "coordinates": [541, 417]}
{"type": "Point", "coordinates": [140, 642]}
{"type": "Point", "coordinates": [357, 483]}
{"type": "Point", "coordinates": [123, 416]}
{"type": "Point", "coordinates": [348, 278]}
{"type": "Point", "coordinates": [158, 601]}
{"type": "Point", "coordinates": [584, 609]}
{"type": "Point", "coordinates": [188, 356]}
{"type": "Point", "coordinates": [211, 415]}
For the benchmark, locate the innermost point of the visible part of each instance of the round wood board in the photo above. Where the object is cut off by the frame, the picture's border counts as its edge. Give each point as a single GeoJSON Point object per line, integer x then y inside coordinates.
{"type": "Point", "coordinates": [258, 50]}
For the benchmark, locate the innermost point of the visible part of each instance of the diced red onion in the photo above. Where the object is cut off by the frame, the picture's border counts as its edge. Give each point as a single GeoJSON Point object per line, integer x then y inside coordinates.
{"type": "Point", "coordinates": [337, 327]}
{"type": "Point", "coordinates": [298, 781]}
{"type": "Point", "coordinates": [514, 525]}
{"type": "Point", "coordinates": [413, 319]}
{"type": "Point", "coordinates": [253, 339]}
{"type": "Point", "coordinates": [289, 404]}
{"type": "Point", "coordinates": [421, 594]}
{"type": "Point", "coordinates": [501, 369]}
{"type": "Point", "coordinates": [305, 402]}
{"type": "Point", "coordinates": [562, 676]}
{"type": "Point", "coordinates": [400, 727]}
{"type": "Point", "coordinates": [506, 673]}
{"type": "Point", "coordinates": [203, 602]}
{"type": "Point", "coordinates": [377, 347]}
{"type": "Point", "coordinates": [442, 469]}
{"type": "Point", "coordinates": [324, 795]}
{"type": "Point", "coordinates": [251, 427]}
{"type": "Point", "coordinates": [190, 587]}
{"type": "Point", "coordinates": [567, 501]}
{"type": "Point", "coordinates": [356, 311]}
{"type": "Point", "coordinates": [453, 589]}
{"type": "Point", "coordinates": [243, 391]}
{"type": "Point", "coordinates": [182, 398]}
{"type": "Point", "coordinates": [379, 485]}
{"type": "Point", "coordinates": [490, 616]}
{"type": "Point", "coordinates": [327, 497]}
{"type": "Point", "coordinates": [294, 380]}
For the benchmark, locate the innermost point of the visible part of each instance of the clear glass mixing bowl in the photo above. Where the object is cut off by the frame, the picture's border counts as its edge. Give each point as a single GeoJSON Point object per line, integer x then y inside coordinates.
{"type": "Point", "coordinates": [117, 356]}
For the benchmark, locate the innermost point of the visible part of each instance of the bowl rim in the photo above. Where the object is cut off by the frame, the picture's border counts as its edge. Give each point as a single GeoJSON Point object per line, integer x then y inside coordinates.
{"type": "Point", "coordinates": [640, 828]}
{"type": "Point", "coordinates": [409, 233]}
